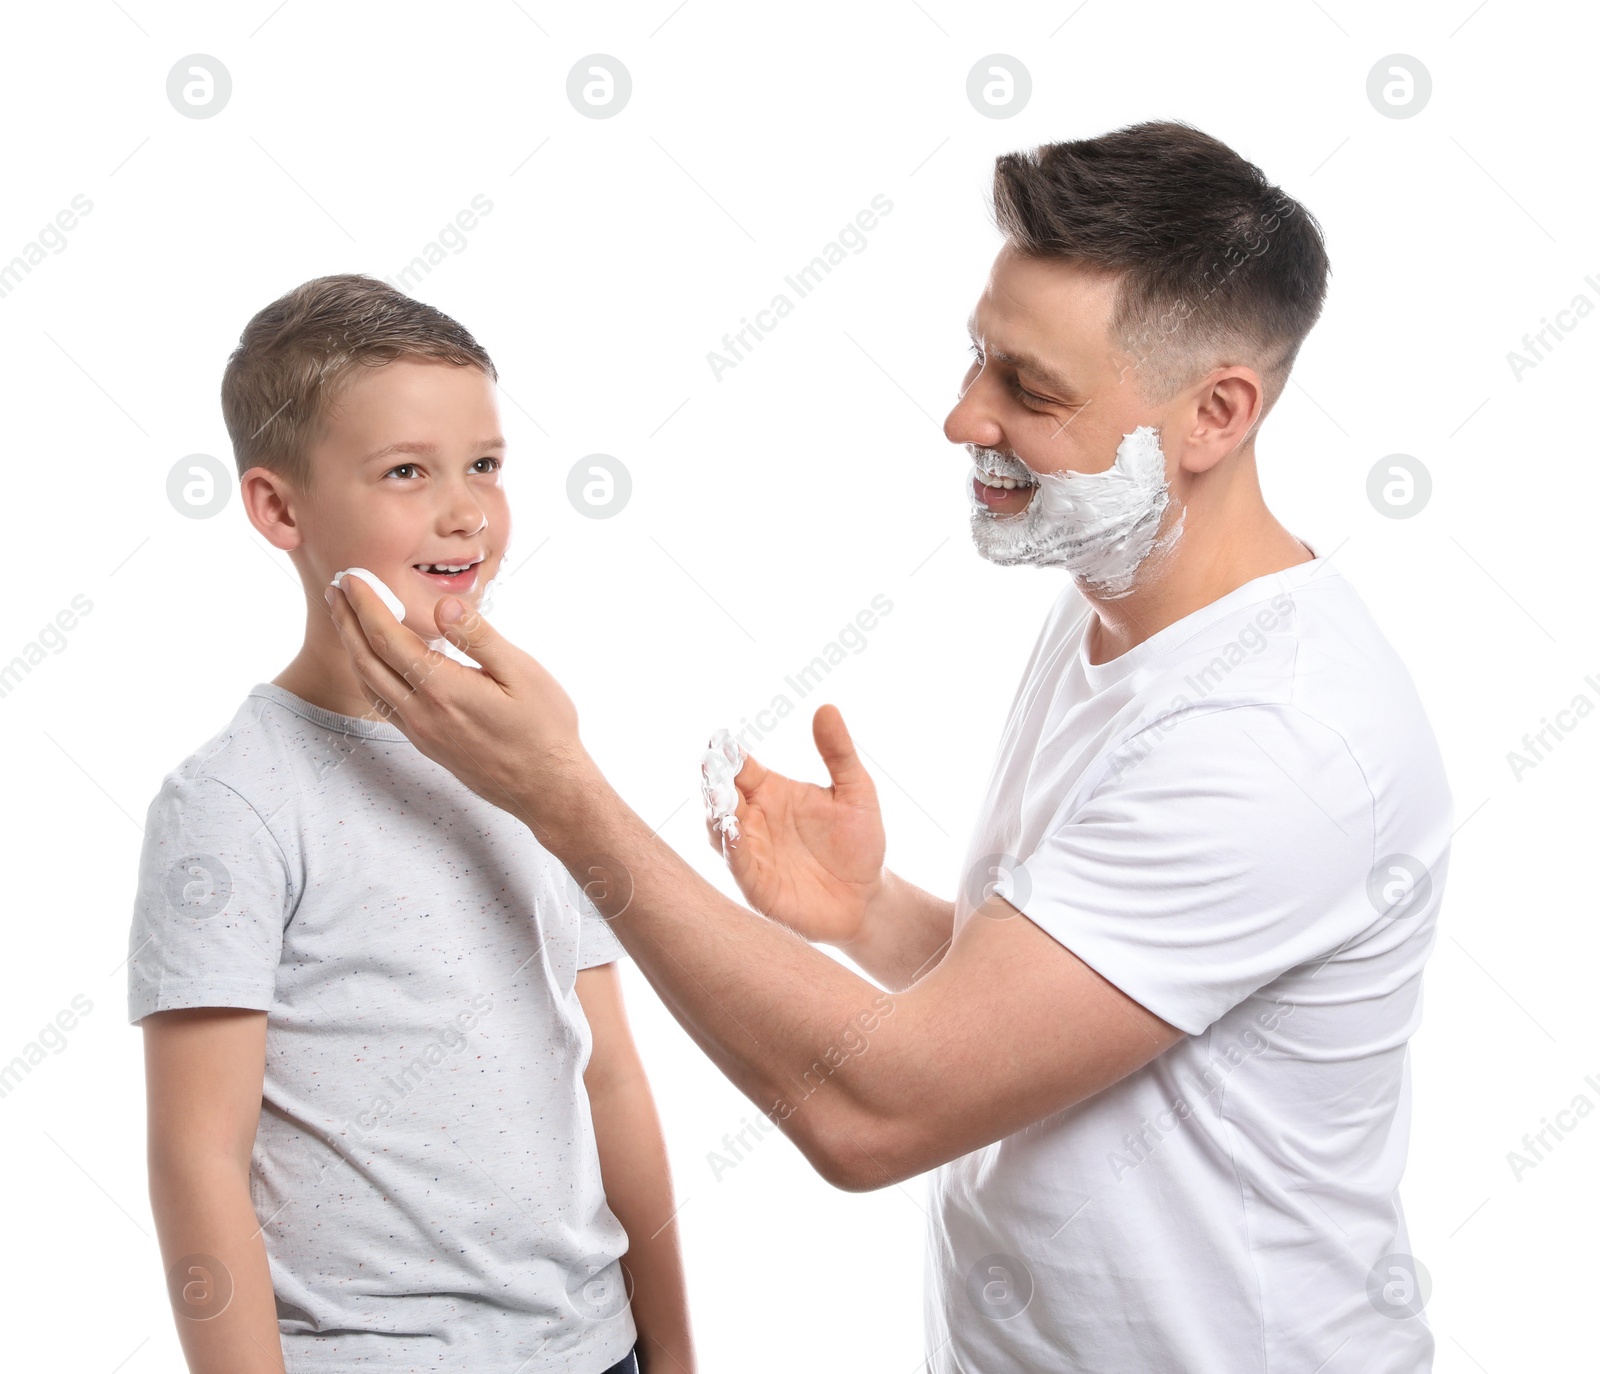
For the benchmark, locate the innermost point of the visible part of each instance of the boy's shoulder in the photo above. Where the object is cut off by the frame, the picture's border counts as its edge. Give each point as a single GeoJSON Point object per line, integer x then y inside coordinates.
{"type": "Point", "coordinates": [278, 743]}
{"type": "Point", "coordinates": [241, 802]}
{"type": "Point", "coordinates": [238, 754]}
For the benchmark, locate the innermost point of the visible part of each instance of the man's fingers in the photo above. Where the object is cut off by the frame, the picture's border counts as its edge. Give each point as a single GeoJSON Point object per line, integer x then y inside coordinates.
{"type": "Point", "coordinates": [376, 648]}
{"type": "Point", "coordinates": [469, 631]}
{"type": "Point", "coordinates": [837, 749]}
{"type": "Point", "coordinates": [752, 773]}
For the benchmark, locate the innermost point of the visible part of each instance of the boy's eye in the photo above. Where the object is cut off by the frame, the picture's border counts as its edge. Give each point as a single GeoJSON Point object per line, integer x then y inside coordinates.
{"type": "Point", "coordinates": [404, 469]}
{"type": "Point", "coordinates": [494, 464]}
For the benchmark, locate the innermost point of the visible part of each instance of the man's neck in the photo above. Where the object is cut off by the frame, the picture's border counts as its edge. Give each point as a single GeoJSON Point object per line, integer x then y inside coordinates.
{"type": "Point", "coordinates": [1195, 576]}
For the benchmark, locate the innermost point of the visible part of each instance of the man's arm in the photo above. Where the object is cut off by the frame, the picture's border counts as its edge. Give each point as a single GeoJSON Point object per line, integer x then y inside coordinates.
{"type": "Point", "coordinates": [872, 1087]}
{"type": "Point", "coordinates": [633, 1165]}
{"type": "Point", "coordinates": [905, 932]}
{"type": "Point", "coordinates": [1010, 1027]}
{"type": "Point", "coordinates": [203, 1074]}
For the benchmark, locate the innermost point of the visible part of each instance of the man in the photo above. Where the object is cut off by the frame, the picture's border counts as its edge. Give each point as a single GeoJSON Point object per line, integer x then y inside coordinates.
{"type": "Point", "coordinates": [1168, 1109]}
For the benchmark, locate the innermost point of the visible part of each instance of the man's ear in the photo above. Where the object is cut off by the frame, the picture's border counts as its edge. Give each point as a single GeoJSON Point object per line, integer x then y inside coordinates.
{"type": "Point", "coordinates": [1227, 407]}
{"type": "Point", "coordinates": [269, 500]}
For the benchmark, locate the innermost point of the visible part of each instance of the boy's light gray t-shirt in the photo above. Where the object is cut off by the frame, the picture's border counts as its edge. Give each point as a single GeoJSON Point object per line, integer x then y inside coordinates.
{"type": "Point", "coordinates": [425, 1168]}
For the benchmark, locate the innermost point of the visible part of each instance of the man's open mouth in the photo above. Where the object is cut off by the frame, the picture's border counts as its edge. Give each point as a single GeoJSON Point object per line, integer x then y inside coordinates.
{"type": "Point", "coordinates": [1001, 485]}
{"type": "Point", "coordinates": [1004, 483]}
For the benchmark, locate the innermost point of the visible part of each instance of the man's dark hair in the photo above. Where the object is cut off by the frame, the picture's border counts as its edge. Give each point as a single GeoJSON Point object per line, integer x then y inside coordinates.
{"type": "Point", "coordinates": [1216, 264]}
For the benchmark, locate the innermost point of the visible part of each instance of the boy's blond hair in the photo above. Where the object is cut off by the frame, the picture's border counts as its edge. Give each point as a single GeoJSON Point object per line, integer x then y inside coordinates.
{"type": "Point", "coordinates": [297, 354]}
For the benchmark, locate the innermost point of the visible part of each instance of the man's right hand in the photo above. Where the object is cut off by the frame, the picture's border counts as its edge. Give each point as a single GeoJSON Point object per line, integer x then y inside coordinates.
{"type": "Point", "coordinates": [810, 857]}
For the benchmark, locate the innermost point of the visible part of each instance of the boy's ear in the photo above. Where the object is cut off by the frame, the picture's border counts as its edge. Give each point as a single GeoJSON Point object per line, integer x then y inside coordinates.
{"type": "Point", "coordinates": [268, 500]}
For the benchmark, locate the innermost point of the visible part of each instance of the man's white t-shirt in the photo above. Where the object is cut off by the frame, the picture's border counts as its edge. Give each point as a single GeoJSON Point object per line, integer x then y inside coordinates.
{"type": "Point", "coordinates": [1243, 822]}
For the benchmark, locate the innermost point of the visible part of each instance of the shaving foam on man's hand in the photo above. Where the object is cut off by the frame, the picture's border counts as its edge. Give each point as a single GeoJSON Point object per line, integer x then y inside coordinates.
{"type": "Point", "coordinates": [719, 765]}
{"type": "Point", "coordinates": [396, 606]}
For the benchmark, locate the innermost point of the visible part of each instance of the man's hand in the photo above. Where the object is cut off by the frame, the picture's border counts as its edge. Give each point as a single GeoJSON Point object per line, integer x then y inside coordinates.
{"type": "Point", "coordinates": [810, 857]}
{"type": "Point", "coordinates": [505, 728]}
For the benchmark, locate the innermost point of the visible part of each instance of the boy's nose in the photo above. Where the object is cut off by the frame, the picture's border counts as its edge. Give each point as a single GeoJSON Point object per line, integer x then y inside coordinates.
{"type": "Point", "coordinates": [462, 515]}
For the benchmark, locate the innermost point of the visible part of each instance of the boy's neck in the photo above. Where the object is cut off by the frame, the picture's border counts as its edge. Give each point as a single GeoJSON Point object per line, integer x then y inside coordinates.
{"type": "Point", "coordinates": [322, 673]}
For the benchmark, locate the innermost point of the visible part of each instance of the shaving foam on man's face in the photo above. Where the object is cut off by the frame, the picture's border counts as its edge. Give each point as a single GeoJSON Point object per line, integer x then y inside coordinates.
{"type": "Point", "coordinates": [1099, 526]}
{"type": "Point", "coordinates": [1041, 409]}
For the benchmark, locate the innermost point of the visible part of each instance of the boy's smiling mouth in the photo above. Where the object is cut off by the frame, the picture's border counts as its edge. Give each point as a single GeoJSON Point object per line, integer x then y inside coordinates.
{"type": "Point", "coordinates": [454, 575]}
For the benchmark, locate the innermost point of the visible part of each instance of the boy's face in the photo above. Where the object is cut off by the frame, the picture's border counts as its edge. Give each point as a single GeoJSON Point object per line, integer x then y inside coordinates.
{"type": "Point", "coordinates": [406, 477]}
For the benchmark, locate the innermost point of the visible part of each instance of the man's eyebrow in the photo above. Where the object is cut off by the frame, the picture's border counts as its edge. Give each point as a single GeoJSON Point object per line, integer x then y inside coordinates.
{"type": "Point", "coordinates": [1048, 375]}
{"type": "Point", "coordinates": [422, 447]}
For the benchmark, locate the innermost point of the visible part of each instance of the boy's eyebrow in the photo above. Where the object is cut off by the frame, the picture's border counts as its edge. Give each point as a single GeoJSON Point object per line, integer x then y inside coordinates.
{"type": "Point", "coordinates": [1048, 375]}
{"type": "Point", "coordinates": [422, 446]}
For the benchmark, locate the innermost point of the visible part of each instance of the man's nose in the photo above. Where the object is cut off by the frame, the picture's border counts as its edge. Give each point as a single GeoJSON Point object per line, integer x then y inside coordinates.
{"type": "Point", "coordinates": [971, 420]}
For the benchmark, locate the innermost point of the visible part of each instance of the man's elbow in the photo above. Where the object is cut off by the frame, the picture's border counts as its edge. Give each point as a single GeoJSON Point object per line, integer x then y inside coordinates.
{"type": "Point", "coordinates": [857, 1151]}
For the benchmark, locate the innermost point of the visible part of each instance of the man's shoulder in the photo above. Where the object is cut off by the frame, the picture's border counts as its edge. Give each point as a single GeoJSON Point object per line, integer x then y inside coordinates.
{"type": "Point", "coordinates": [1306, 641]}
{"type": "Point", "coordinates": [1310, 654]}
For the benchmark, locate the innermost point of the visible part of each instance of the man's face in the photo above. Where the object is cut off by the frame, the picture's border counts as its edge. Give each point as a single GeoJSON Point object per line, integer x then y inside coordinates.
{"type": "Point", "coordinates": [407, 477]}
{"type": "Point", "coordinates": [1046, 384]}
{"type": "Point", "coordinates": [1047, 392]}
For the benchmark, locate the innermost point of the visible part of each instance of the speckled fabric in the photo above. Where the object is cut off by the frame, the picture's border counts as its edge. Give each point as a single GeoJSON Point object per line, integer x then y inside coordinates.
{"type": "Point", "coordinates": [425, 1168]}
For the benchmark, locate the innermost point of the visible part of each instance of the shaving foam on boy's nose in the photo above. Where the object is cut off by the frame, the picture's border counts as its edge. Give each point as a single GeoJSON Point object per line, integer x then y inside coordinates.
{"type": "Point", "coordinates": [396, 606]}
{"type": "Point", "coordinates": [719, 765]}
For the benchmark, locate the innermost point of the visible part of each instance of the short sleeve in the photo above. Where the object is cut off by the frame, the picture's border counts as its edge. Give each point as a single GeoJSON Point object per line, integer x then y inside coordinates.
{"type": "Point", "coordinates": [1212, 858]}
{"type": "Point", "coordinates": [597, 944]}
{"type": "Point", "coordinates": [214, 893]}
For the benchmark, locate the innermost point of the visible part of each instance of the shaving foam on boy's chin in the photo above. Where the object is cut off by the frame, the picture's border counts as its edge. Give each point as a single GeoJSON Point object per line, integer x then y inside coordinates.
{"type": "Point", "coordinates": [398, 610]}
{"type": "Point", "coordinates": [1099, 526]}
{"type": "Point", "coordinates": [719, 765]}
{"type": "Point", "coordinates": [396, 606]}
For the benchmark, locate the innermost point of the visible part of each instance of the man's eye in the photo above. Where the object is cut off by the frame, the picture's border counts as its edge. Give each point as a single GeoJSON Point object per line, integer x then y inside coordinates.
{"type": "Point", "coordinates": [1029, 398]}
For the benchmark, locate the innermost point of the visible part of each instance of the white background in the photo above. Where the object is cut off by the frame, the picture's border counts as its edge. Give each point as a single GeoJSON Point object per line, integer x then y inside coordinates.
{"type": "Point", "coordinates": [771, 505]}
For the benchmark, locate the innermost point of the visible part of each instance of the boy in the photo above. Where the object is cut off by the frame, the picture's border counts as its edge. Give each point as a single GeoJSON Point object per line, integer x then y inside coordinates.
{"type": "Point", "coordinates": [396, 1118]}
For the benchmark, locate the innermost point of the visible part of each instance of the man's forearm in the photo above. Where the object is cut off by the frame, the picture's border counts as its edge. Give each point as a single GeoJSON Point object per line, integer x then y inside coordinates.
{"type": "Point", "coordinates": [790, 1026]}
{"type": "Point", "coordinates": [216, 1262]}
{"type": "Point", "coordinates": [906, 932]}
